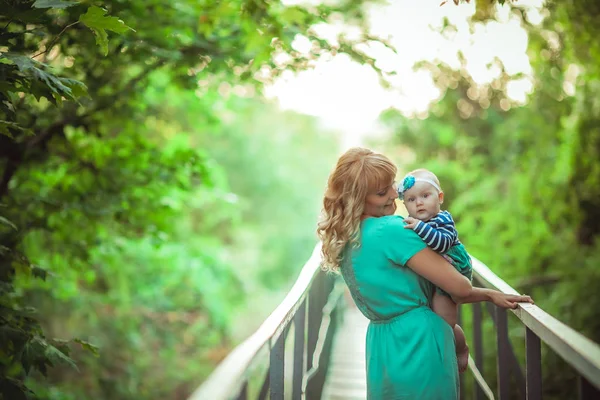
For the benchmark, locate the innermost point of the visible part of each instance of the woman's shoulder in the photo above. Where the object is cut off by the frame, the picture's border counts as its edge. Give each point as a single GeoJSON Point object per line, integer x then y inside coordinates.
{"type": "Point", "coordinates": [393, 219]}
{"type": "Point", "coordinates": [389, 234]}
{"type": "Point", "coordinates": [388, 221]}
{"type": "Point", "coordinates": [386, 225]}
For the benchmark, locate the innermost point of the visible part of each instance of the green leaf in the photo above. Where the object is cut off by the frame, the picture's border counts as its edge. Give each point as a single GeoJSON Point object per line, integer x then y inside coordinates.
{"type": "Point", "coordinates": [7, 222]}
{"type": "Point", "coordinates": [56, 356]}
{"type": "Point", "coordinates": [39, 272]}
{"type": "Point", "coordinates": [54, 3]}
{"type": "Point", "coordinates": [95, 19]}
{"type": "Point", "coordinates": [30, 68]}
{"type": "Point", "coordinates": [87, 346]}
{"type": "Point", "coordinates": [101, 39]}
{"type": "Point", "coordinates": [34, 69]}
{"type": "Point", "coordinates": [293, 15]}
{"type": "Point", "coordinates": [5, 125]}
{"type": "Point", "coordinates": [78, 88]}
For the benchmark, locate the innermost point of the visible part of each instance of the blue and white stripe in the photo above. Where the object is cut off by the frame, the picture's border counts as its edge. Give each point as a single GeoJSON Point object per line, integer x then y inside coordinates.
{"type": "Point", "coordinates": [439, 232]}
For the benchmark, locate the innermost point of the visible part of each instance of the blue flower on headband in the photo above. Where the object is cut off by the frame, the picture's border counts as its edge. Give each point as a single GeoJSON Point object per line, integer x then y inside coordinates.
{"type": "Point", "coordinates": [407, 183]}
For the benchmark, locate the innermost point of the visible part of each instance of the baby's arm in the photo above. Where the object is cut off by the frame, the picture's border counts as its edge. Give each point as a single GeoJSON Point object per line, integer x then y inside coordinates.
{"type": "Point", "coordinates": [439, 239]}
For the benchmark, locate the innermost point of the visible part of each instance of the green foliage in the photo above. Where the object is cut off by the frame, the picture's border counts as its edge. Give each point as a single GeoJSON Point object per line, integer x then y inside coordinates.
{"type": "Point", "coordinates": [525, 177]}
{"type": "Point", "coordinates": [24, 346]}
{"type": "Point", "coordinates": [130, 201]}
{"type": "Point", "coordinates": [35, 78]}
{"type": "Point", "coordinates": [99, 23]}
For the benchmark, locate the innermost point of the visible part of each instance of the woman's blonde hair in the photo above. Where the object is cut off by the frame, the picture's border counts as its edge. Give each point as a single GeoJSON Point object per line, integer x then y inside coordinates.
{"type": "Point", "coordinates": [357, 173]}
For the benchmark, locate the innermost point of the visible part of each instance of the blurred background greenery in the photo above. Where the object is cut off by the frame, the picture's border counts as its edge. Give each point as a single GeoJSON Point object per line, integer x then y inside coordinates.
{"type": "Point", "coordinates": [157, 202]}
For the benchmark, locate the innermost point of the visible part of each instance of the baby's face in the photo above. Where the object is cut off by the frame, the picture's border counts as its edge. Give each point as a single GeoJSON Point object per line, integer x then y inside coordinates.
{"type": "Point", "coordinates": [422, 201]}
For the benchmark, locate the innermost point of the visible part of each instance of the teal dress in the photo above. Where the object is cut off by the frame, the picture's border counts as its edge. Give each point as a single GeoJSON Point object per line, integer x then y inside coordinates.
{"type": "Point", "coordinates": [410, 351]}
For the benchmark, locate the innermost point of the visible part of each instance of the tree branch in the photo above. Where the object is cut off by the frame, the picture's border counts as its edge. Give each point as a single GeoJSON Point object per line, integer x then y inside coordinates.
{"type": "Point", "coordinates": [109, 100]}
{"type": "Point", "coordinates": [53, 42]}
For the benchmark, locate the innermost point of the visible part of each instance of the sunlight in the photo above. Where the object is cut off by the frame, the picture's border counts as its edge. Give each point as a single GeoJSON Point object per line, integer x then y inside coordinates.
{"type": "Point", "coordinates": [349, 96]}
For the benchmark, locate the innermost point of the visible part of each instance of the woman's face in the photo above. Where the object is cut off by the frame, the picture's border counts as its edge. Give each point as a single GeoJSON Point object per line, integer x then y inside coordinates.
{"type": "Point", "coordinates": [381, 202]}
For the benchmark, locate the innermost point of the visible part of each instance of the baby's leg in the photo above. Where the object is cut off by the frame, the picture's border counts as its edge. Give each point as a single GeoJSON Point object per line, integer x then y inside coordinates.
{"type": "Point", "coordinates": [445, 308]}
{"type": "Point", "coordinates": [448, 310]}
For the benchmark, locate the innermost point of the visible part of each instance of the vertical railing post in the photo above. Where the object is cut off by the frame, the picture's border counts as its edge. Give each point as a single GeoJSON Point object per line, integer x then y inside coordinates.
{"type": "Point", "coordinates": [317, 381]}
{"type": "Point", "coordinates": [299, 351]}
{"type": "Point", "coordinates": [264, 389]}
{"type": "Point", "coordinates": [316, 302]}
{"type": "Point", "coordinates": [478, 346]}
{"type": "Point", "coordinates": [243, 392]}
{"type": "Point", "coordinates": [587, 391]}
{"type": "Point", "coordinates": [503, 351]}
{"type": "Point", "coordinates": [513, 367]}
{"type": "Point", "coordinates": [276, 367]}
{"type": "Point", "coordinates": [533, 365]}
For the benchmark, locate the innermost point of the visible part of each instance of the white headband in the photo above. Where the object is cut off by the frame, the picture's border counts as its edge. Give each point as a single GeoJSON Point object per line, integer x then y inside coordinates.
{"type": "Point", "coordinates": [409, 181]}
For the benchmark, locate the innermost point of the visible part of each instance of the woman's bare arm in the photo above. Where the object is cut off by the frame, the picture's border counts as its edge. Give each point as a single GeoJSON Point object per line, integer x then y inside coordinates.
{"type": "Point", "coordinates": [433, 267]}
{"type": "Point", "coordinates": [438, 271]}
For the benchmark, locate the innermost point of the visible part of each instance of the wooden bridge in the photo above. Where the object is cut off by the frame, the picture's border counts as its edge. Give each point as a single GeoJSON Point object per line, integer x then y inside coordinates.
{"type": "Point", "coordinates": [312, 347]}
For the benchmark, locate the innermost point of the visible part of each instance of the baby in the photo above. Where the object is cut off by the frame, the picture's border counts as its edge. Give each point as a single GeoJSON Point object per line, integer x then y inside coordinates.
{"type": "Point", "coordinates": [422, 195]}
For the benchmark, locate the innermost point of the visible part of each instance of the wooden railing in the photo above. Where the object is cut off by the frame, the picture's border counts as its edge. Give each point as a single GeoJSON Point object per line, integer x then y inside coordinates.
{"type": "Point", "coordinates": [540, 327]}
{"type": "Point", "coordinates": [312, 308]}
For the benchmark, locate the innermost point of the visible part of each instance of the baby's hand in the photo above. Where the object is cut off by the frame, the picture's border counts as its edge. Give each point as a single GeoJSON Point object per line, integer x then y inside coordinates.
{"type": "Point", "coordinates": [410, 222]}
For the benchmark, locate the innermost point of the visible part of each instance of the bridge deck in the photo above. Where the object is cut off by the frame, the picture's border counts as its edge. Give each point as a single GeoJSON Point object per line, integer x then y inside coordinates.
{"type": "Point", "coordinates": [346, 379]}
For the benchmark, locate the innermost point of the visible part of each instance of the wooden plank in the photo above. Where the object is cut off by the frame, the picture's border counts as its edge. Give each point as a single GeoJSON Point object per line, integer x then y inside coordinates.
{"type": "Point", "coordinates": [346, 378]}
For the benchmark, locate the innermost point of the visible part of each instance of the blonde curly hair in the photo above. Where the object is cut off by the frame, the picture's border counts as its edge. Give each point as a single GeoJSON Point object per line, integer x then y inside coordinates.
{"type": "Point", "coordinates": [357, 173]}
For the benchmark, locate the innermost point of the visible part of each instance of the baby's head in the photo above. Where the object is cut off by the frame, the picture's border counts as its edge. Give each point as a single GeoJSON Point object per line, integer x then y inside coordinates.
{"type": "Point", "coordinates": [422, 194]}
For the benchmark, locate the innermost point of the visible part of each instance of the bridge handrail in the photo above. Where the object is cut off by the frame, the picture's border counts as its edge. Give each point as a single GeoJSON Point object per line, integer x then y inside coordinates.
{"type": "Point", "coordinates": [228, 377]}
{"type": "Point", "coordinates": [578, 351]}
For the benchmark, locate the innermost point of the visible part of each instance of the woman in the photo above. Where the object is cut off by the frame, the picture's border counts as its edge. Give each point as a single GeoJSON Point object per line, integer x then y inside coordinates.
{"type": "Point", "coordinates": [391, 276]}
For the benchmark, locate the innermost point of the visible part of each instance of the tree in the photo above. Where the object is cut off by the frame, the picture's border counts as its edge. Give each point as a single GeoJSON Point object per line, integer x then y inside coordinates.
{"type": "Point", "coordinates": [526, 176]}
{"type": "Point", "coordinates": [79, 168]}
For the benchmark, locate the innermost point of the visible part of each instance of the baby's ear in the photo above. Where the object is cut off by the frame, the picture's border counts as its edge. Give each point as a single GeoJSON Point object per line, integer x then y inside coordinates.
{"type": "Point", "coordinates": [441, 197]}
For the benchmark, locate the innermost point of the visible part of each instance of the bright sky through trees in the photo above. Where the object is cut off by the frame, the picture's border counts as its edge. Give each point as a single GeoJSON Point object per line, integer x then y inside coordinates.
{"type": "Point", "coordinates": [349, 97]}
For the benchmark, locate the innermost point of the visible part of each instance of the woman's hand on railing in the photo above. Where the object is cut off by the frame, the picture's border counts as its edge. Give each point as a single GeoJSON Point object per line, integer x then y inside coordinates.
{"type": "Point", "coordinates": [478, 294]}
{"type": "Point", "coordinates": [508, 300]}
